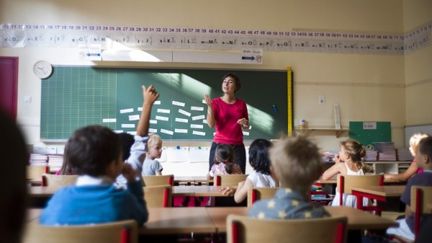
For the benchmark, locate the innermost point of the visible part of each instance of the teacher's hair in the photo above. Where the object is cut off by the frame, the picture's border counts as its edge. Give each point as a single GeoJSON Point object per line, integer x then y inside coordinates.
{"type": "Point", "coordinates": [235, 78]}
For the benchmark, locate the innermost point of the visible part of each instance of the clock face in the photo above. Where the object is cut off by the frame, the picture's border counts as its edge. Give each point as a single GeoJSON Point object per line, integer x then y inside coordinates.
{"type": "Point", "coordinates": [42, 69]}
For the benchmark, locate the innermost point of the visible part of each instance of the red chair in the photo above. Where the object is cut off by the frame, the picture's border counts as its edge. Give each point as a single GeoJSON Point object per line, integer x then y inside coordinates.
{"type": "Point", "coordinates": [243, 229]}
{"type": "Point", "coordinates": [229, 180]}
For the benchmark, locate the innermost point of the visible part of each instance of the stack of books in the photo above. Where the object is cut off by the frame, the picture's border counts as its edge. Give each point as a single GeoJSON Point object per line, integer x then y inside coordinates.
{"type": "Point", "coordinates": [404, 155]}
{"type": "Point", "coordinates": [386, 151]}
{"type": "Point", "coordinates": [371, 155]}
{"type": "Point", "coordinates": [55, 162]}
{"type": "Point", "coordinates": [38, 159]}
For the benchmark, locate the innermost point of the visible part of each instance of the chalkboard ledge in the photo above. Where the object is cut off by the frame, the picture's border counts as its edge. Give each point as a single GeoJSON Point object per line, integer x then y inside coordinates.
{"type": "Point", "coordinates": [308, 131]}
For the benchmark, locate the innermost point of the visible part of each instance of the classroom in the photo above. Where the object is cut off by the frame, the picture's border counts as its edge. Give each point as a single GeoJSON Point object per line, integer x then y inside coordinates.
{"type": "Point", "coordinates": [351, 61]}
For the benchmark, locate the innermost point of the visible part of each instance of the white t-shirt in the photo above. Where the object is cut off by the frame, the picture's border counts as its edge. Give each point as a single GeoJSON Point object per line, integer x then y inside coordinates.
{"type": "Point", "coordinates": [261, 180]}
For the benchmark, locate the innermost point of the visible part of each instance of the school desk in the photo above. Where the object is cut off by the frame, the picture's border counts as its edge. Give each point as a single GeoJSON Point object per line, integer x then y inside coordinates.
{"type": "Point", "coordinates": [379, 193]}
{"type": "Point", "coordinates": [213, 220]}
{"type": "Point", "coordinates": [192, 180]}
{"type": "Point", "coordinates": [198, 191]}
{"type": "Point", "coordinates": [210, 220]}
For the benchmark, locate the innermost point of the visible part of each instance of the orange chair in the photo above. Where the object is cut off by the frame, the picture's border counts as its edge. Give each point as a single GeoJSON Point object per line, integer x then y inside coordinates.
{"type": "Point", "coordinates": [256, 194]}
{"type": "Point", "coordinates": [35, 172]}
{"type": "Point", "coordinates": [158, 180]}
{"type": "Point", "coordinates": [421, 203]}
{"type": "Point", "coordinates": [346, 183]}
{"type": "Point", "coordinates": [117, 232]}
{"type": "Point", "coordinates": [229, 180]}
{"type": "Point", "coordinates": [158, 196]}
{"type": "Point", "coordinates": [58, 181]}
{"type": "Point", "coordinates": [243, 229]}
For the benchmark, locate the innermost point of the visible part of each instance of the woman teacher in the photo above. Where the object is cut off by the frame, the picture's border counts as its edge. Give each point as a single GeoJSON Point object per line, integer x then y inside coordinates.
{"type": "Point", "coordinates": [228, 115]}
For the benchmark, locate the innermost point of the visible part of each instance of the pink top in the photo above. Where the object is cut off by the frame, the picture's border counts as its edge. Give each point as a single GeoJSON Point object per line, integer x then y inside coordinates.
{"type": "Point", "coordinates": [226, 116]}
{"type": "Point", "coordinates": [419, 170]}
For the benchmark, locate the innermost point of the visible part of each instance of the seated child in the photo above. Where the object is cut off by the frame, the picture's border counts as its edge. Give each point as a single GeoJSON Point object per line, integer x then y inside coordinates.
{"type": "Point", "coordinates": [347, 162]}
{"type": "Point", "coordinates": [95, 153]}
{"type": "Point", "coordinates": [413, 168]}
{"type": "Point", "coordinates": [154, 151]}
{"type": "Point", "coordinates": [260, 176]}
{"type": "Point", "coordinates": [224, 156]}
{"type": "Point", "coordinates": [423, 159]}
{"type": "Point", "coordinates": [296, 163]}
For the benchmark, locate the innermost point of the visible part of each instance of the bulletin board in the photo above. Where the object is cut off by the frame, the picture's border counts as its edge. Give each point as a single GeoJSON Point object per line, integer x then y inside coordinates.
{"type": "Point", "coordinates": [368, 133]}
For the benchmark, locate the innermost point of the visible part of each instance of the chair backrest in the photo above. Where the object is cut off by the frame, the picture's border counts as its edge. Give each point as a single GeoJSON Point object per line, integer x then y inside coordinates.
{"type": "Point", "coordinates": [243, 229]}
{"type": "Point", "coordinates": [256, 194]}
{"type": "Point", "coordinates": [117, 232]}
{"type": "Point", "coordinates": [421, 199]}
{"type": "Point", "coordinates": [228, 180]}
{"type": "Point", "coordinates": [158, 196]}
{"type": "Point", "coordinates": [158, 180]}
{"type": "Point", "coordinates": [347, 182]}
{"type": "Point", "coordinates": [35, 172]}
{"type": "Point", "coordinates": [58, 181]}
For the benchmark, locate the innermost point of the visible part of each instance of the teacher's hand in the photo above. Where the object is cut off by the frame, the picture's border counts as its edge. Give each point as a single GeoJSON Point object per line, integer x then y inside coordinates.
{"type": "Point", "coordinates": [243, 122]}
{"type": "Point", "coordinates": [208, 100]}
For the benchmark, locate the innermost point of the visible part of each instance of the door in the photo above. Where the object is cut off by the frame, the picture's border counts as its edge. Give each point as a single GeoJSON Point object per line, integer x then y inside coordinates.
{"type": "Point", "coordinates": [9, 85]}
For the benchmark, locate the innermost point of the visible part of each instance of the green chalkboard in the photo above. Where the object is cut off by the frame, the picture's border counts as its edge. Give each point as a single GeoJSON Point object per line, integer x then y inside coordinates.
{"type": "Point", "coordinates": [368, 133]}
{"type": "Point", "coordinates": [77, 96]}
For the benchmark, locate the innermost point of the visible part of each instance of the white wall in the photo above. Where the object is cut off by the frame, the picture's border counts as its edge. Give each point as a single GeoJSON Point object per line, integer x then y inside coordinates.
{"type": "Point", "coordinates": [418, 66]}
{"type": "Point", "coordinates": [367, 87]}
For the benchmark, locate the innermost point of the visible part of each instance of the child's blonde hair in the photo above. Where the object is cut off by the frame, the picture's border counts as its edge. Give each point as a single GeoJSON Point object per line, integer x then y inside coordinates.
{"type": "Point", "coordinates": [415, 140]}
{"type": "Point", "coordinates": [296, 162]}
{"type": "Point", "coordinates": [154, 139]}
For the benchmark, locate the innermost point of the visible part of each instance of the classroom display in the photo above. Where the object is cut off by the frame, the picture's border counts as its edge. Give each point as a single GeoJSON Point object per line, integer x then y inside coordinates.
{"type": "Point", "coordinates": [73, 97]}
{"type": "Point", "coordinates": [368, 133]}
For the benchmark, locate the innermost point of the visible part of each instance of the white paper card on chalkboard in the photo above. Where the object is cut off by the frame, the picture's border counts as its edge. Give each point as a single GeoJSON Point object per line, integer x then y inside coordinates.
{"type": "Point", "coordinates": [127, 125]}
{"type": "Point", "coordinates": [133, 117]}
{"type": "Point", "coordinates": [166, 111]}
{"type": "Point", "coordinates": [153, 130]}
{"type": "Point", "coordinates": [181, 111]}
{"type": "Point", "coordinates": [197, 108]}
{"type": "Point", "coordinates": [162, 118]}
{"type": "Point", "coordinates": [109, 120]}
{"type": "Point", "coordinates": [169, 132]}
{"type": "Point", "coordinates": [153, 121]}
{"type": "Point", "coordinates": [128, 110]}
{"type": "Point", "coordinates": [198, 133]}
{"type": "Point", "coordinates": [178, 130]}
{"type": "Point", "coordinates": [369, 125]}
{"type": "Point", "coordinates": [178, 103]}
{"type": "Point", "coordinates": [157, 102]}
{"type": "Point", "coordinates": [200, 117]}
{"type": "Point", "coordinates": [182, 120]}
{"type": "Point", "coordinates": [199, 126]}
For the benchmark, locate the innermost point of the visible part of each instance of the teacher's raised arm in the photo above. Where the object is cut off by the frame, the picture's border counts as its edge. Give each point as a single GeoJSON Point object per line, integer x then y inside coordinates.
{"type": "Point", "coordinates": [228, 115]}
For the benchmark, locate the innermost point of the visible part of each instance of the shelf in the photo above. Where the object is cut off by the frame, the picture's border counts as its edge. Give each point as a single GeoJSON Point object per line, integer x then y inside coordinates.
{"type": "Point", "coordinates": [307, 131]}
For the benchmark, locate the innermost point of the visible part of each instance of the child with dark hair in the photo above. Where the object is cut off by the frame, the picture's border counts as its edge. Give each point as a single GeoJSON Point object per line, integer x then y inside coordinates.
{"type": "Point", "coordinates": [224, 157]}
{"type": "Point", "coordinates": [260, 176]}
{"type": "Point", "coordinates": [423, 158]}
{"type": "Point", "coordinates": [126, 141]}
{"type": "Point", "coordinates": [95, 153]}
